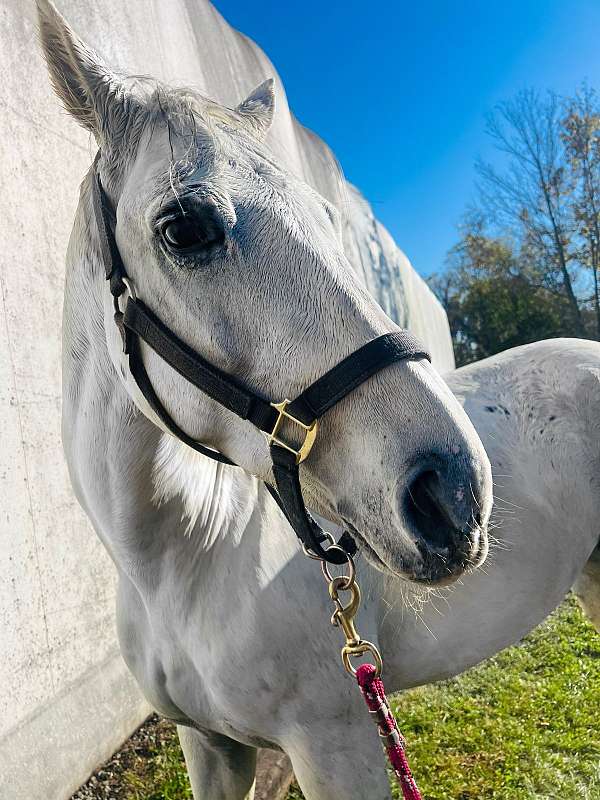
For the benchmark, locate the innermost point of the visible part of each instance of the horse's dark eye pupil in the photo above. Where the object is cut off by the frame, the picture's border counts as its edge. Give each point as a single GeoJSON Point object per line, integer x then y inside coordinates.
{"type": "Point", "coordinates": [183, 233]}
{"type": "Point", "coordinates": [198, 232]}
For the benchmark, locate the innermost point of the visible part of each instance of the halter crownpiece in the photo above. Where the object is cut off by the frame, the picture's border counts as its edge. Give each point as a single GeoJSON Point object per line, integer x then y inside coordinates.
{"type": "Point", "coordinates": [137, 322]}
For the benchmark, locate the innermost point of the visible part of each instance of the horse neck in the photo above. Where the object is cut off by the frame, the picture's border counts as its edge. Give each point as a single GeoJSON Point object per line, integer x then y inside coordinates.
{"type": "Point", "coordinates": [143, 490]}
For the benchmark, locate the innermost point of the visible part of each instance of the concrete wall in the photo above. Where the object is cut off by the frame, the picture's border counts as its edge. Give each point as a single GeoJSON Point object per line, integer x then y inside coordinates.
{"type": "Point", "coordinates": [66, 699]}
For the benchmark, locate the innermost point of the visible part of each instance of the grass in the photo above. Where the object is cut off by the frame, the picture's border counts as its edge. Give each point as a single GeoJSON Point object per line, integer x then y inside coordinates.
{"type": "Point", "coordinates": [149, 766]}
{"type": "Point", "coordinates": [522, 726]}
{"type": "Point", "coordinates": [164, 777]}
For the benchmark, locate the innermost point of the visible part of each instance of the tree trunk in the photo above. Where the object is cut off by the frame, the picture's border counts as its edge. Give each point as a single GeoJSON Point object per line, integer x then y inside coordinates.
{"type": "Point", "coordinates": [595, 253]}
{"type": "Point", "coordinates": [562, 259]}
{"type": "Point", "coordinates": [590, 191]}
{"type": "Point", "coordinates": [596, 294]}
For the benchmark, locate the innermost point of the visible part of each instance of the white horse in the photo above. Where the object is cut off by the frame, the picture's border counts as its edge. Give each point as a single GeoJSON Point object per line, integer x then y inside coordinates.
{"type": "Point", "coordinates": [227, 629]}
{"type": "Point", "coordinates": [244, 263]}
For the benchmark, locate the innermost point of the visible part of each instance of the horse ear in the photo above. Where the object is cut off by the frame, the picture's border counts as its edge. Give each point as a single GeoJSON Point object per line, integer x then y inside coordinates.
{"type": "Point", "coordinates": [258, 108]}
{"type": "Point", "coordinates": [89, 91]}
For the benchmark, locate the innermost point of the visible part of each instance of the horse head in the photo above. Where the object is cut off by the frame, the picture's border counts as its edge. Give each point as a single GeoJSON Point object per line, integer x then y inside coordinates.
{"type": "Point", "coordinates": [244, 262]}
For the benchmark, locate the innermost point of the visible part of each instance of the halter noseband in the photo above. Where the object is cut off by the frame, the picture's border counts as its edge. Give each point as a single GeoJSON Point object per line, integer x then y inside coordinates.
{"type": "Point", "coordinates": [139, 322]}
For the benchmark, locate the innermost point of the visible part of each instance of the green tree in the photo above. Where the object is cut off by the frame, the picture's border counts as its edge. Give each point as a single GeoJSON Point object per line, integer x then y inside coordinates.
{"type": "Point", "coordinates": [493, 300]}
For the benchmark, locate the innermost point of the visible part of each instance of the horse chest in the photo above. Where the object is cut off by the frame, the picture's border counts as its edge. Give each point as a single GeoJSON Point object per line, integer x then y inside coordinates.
{"type": "Point", "coordinates": [190, 650]}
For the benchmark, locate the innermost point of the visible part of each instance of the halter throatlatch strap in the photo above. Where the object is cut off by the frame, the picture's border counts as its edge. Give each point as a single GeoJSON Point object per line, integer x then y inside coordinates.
{"type": "Point", "coordinates": [138, 322]}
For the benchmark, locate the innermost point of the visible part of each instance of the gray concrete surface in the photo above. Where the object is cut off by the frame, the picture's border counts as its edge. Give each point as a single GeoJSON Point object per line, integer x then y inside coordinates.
{"type": "Point", "coordinates": [66, 699]}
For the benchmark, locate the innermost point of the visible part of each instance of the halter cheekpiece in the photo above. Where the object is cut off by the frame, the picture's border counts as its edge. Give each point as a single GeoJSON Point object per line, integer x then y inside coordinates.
{"type": "Point", "coordinates": [137, 322]}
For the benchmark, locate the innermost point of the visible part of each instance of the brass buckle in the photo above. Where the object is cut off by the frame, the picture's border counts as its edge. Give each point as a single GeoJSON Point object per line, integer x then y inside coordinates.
{"type": "Point", "coordinates": [309, 436]}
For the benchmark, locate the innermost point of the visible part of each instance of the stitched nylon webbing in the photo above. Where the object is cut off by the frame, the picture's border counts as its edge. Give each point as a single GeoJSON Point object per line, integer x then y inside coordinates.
{"type": "Point", "coordinates": [196, 369]}
{"type": "Point", "coordinates": [355, 369]}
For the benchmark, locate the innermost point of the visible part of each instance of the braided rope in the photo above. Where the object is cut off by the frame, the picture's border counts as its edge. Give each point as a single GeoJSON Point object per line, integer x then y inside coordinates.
{"type": "Point", "coordinates": [373, 691]}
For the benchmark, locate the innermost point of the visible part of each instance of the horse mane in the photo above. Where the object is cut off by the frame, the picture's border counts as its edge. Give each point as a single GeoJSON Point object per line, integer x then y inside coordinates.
{"type": "Point", "coordinates": [212, 494]}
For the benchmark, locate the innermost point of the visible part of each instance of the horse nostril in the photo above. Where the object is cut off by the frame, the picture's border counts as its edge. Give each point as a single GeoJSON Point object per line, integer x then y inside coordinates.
{"type": "Point", "coordinates": [426, 509]}
{"type": "Point", "coordinates": [444, 510]}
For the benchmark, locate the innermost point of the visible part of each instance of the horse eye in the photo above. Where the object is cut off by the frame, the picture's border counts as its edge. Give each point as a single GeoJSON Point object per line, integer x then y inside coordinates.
{"type": "Point", "coordinates": [194, 231]}
{"type": "Point", "coordinates": [182, 233]}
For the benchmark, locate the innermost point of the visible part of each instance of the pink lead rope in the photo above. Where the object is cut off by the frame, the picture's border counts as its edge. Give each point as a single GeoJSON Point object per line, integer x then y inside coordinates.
{"type": "Point", "coordinates": [373, 691]}
{"type": "Point", "coordinates": [367, 675]}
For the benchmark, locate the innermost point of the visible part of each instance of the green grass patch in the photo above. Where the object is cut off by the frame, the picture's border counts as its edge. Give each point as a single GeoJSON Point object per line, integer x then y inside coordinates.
{"type": "Point", "coordinates": [164, 776]}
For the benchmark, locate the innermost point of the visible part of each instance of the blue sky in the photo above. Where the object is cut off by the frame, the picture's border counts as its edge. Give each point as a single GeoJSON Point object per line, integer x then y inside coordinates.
{"type": "Point", "coordinates": [400, 90]}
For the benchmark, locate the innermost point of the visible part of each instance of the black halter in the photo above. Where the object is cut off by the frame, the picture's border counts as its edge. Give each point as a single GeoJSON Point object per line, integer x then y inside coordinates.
{"type": "Point", "coordinates": [139, 322]}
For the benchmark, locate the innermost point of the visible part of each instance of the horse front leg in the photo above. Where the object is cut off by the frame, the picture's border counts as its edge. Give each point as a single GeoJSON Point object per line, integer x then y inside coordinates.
{"type": "Point", "coordinates": [219, 768]}
{"type": "Point", "coordinates": [342, 759]}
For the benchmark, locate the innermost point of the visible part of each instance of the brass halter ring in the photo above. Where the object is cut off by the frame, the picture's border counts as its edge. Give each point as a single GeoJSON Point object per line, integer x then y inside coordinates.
{"type": "Point", "coordinates": [314, 556]}
{"type": "Point", "coordinates": [129, 286]}
{"type": "Point", "coordinates": [354, 651]}
{"type": "Point", "coordinates": [348, 579]}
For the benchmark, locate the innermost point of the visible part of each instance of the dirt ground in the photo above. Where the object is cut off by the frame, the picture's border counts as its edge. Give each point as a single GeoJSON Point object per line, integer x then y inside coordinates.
{"type": "Point", "coordinates": [124, 775]}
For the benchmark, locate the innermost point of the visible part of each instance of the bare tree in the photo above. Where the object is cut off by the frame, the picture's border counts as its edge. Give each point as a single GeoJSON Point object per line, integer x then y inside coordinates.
{"type": "Point", "coordinates": [581, 138]}
{"type": "Point", "coordinates": [531, 195]}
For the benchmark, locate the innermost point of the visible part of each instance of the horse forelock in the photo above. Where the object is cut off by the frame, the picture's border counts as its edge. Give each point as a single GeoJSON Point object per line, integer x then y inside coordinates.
{"type": "Point", "coordinates": [195, 127]}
